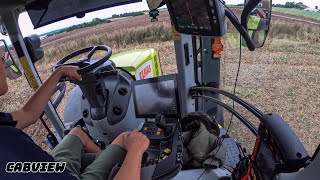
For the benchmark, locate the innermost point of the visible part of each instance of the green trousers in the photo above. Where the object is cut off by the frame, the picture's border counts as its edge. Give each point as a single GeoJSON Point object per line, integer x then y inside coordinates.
{"type": "Point", "coordinates": [70, 150]}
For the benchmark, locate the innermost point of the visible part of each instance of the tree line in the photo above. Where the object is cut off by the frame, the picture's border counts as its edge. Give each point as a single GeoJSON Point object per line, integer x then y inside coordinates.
{"type": "Point", "coordinates": [128, 14]}
{"type": "Point", "coordinates": [94, 22]}
{"type": "Point", "coordinates": [294, 5]}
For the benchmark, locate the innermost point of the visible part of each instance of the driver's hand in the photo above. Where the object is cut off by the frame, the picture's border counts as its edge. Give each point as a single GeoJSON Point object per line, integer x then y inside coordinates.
{"type": "Point", "coordinates": [70, 72]}
{"type": "Point", "coordinates": [137, 142]}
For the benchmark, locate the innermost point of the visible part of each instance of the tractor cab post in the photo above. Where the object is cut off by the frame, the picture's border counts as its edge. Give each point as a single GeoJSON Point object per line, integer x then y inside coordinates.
{"type": "Point", "coordinates": [9, 20]}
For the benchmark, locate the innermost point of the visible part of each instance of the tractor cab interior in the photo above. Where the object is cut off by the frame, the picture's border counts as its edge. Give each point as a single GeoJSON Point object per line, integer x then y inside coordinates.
{"type": "Point", "coordinates": [112, 98]}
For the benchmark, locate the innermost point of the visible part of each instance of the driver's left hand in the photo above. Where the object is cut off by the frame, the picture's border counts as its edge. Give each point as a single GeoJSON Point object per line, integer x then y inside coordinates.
{"type": "Point", "coordinates": [70, 72]}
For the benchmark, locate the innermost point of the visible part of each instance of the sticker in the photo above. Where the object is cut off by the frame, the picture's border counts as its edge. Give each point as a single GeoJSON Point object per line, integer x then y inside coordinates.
{"type": "Point", "coordinates": [262, 13]}
{"type": "Point", "coordinates": [28, 72]}
{"type": "Point", "coordinates": [144, 71]}
{"type": "Point", "coordinates": [176, 35]}
{"type": "Point", "coordinates": [217, 48]}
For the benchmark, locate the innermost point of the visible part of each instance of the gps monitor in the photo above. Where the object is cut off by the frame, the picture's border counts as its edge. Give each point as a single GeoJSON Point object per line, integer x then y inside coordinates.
{"type": "Point", "coordinates": [198, 17]}
{"type": "Point", "coordinates": [156, 96]}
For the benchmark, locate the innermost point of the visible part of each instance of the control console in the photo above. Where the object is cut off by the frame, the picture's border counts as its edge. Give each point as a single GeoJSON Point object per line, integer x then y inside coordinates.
{"type": "Point", "coordinates": [165, 149]}
{"type": "Point", "coordinates": [157, 98]}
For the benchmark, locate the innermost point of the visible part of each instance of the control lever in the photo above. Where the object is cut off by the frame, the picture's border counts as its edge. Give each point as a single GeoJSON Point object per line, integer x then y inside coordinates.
{"type": "Point", "coordinates": [162, 124]}
{"type": "Point", "coordinates": [144, 158]}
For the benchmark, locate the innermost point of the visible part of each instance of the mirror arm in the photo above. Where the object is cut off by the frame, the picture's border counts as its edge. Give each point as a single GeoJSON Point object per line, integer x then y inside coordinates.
{"type": "Point", "coordinates": [241, 29]}
{"type": "Point", "coordinates": [7, 47]}
{"type": "Point", "coordinates": [246, 12]}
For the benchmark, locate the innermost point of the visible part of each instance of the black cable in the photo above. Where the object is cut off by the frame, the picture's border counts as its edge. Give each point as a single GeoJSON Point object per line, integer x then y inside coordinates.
{"type": "Point", "coordinates": [237, 76]}
{"type": "Point", "coordinates": [224, 4]}
{"type": "Point", "coordinates": [50, 136]}
{"type": "Point", "coordinates": [242, 29]}
{"type": "Point", "coordinates": [251, 127]}
{"type": "Point", "coordinates": [245, 104]}
{"type": "Point", "coordinates": [244, 33]}
{"type": "Point", "coordinates": [45, 124]}
{"type": "Point", "coordinates": [246, 12]}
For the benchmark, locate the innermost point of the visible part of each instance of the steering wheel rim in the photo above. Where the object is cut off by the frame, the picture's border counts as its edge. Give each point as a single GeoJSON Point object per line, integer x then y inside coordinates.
{"type": "Point", "coordinates": [91, 50]}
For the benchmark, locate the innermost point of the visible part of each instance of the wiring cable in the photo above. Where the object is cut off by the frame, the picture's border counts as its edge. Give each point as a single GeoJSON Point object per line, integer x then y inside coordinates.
{"type": "Point", "coordinates": [245, 121]}
{"type": "Point", "coordinates": [236, 82]}
{"type": "Point", "coordinates": [245, 104]}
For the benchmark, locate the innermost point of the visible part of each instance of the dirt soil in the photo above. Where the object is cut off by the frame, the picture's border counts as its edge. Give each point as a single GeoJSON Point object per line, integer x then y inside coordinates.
{"type": "Point", "coordinates": [283, 77]}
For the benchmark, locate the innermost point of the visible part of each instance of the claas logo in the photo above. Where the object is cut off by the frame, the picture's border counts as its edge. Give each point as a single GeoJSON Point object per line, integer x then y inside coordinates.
{"type": "Point", "coordinates": [145, 72]}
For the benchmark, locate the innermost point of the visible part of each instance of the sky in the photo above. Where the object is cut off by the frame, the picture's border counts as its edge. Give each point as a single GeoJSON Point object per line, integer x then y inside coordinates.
{"type": "Point", "coordinates": [25, 22]}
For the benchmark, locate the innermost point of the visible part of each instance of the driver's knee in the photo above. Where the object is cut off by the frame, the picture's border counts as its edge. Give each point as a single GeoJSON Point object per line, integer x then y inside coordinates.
{"type": "Point", "coordinates": [76, 131]}
{"type": "Point", "coordinates": [80, 134]}
{"type": "Point", "coordinates": [121, 139]}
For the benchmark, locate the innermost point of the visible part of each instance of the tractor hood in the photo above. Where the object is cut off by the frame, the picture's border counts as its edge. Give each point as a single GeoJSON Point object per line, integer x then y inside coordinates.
{"type": "Point", "coordinates": [43, 12]}
{"type": "Point", "coordinates": [132, 60]}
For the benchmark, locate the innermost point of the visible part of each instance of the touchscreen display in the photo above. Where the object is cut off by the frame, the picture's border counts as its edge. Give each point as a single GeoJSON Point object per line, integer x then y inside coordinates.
{"type": "Point", "coordinates": [191, 14]}
{"type": "Point", "coordinates": [152, 98]}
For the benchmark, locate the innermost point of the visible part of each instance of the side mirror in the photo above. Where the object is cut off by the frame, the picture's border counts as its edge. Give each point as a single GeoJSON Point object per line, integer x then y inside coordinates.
{"type": "Point", "coordinates": [11, 69]}
{"type": "Point", "coordinates": [258, 22]}
{"type": "Point", "coordinates": [33, 44]}
{"type": "Point", "coordinates": [3, 30]}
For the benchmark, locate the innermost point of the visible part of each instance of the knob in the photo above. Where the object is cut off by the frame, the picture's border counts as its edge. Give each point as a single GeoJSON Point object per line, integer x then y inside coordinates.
{"type": "Point", "coordinates": [162, 124]}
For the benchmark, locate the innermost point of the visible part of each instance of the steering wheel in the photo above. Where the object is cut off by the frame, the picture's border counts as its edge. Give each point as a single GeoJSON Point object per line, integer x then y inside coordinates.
{"type": "Point", "coordinates": [83, 63]}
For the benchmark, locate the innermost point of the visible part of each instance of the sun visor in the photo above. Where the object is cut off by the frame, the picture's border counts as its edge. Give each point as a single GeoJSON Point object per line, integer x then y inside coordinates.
{"type": "Point", "coordinates": [44, 12]}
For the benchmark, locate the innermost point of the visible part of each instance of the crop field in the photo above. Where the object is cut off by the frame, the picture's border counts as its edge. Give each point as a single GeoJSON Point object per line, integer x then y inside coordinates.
{"type": "Point", "coordinates": [297, 12]}
{"type": "Point", "coordinates": [282, 77]}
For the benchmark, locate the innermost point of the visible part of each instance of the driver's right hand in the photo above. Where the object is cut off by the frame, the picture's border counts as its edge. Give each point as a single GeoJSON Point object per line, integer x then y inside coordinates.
{"type": "Point", "coordinates": [70, 72]}
{"type": "Point", "coordinates": [137, 142]}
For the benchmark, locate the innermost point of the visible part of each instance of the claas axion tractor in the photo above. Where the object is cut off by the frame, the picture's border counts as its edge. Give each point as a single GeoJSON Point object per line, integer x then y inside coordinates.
{"type": "Point", "coordinates": [124, 91]}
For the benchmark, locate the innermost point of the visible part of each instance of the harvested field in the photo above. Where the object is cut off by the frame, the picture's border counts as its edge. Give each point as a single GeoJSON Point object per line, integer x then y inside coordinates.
{"type": "Point", "coordinates": [283, 77]}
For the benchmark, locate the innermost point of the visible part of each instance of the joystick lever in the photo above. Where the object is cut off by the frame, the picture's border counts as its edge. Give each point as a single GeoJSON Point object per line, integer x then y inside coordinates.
{"type": "Point", "coordinates": [162, 124]}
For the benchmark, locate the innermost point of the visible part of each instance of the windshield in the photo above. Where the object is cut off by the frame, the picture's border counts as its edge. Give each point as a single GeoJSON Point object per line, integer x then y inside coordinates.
{"type": "Point", "coordinates": [280, 76]}
{"type": "Point", "coordinates": [43, 12]}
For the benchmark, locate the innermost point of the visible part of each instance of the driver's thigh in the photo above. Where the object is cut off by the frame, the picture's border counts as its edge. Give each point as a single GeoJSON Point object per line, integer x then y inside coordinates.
{"type": "Point", "coordinates": [69, 150]}
{"type": "Point", "coordinates": [102, 166]}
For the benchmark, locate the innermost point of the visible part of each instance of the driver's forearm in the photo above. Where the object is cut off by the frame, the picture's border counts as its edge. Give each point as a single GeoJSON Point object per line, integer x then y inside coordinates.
{"type": "Point", "coordinates": [32, 110]}
{"type": "Point", "coordinates": [131, 167]}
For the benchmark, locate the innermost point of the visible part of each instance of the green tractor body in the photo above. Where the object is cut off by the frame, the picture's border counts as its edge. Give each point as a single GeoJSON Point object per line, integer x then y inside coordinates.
{"type": "Point", "coordinates": [140, 63]}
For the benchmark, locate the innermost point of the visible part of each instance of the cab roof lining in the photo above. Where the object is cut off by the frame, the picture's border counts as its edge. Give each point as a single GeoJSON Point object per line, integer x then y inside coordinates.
{"type": "Point", "coordinates": [44, 12]}
{"type": "Point", "coordinates": [13, 4]}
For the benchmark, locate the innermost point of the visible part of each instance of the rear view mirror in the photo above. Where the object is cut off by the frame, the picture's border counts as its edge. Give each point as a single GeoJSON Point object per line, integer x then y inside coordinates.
{"type": "Point", "coordinates": [11, 69]}
{"type": "Point", "coordinates": [259, 22]}
{"type": "Point", "coordinates": [3, 30]}
{"type": "Point", "coordinates": [33, 44]}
